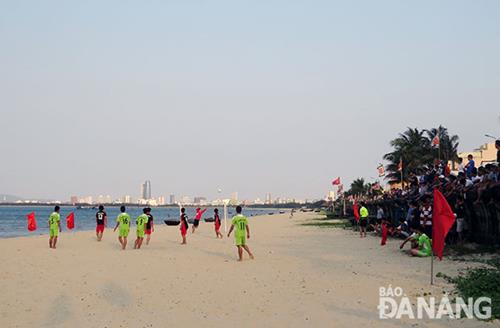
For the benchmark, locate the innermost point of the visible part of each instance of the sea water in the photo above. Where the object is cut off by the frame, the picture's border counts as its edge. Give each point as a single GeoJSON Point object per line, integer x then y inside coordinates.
{"type": "Point", "coordinates": [13, 220]}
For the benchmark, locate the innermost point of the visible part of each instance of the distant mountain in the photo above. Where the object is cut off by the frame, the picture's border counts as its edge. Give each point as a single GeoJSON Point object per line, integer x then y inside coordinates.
{"type": "Point", "coordinates": [9, 198]}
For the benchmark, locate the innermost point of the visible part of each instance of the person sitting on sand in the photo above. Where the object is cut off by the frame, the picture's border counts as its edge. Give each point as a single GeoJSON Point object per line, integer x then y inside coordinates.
{"type": "Point", "coordinates": [242, 229]}
{"type": "Point", "coordinates": [123, 221]}
{"type": "Point", "coordinates": [421, 244]}
{"type": "Point", "coordinates": [101, 222]}
{"type": "Point", "coordinates": [363, 220]}
{"type": "Point", "coordinates": [184, 225]}
{"type": "Point", "coordinates": [197, 218]}
{"type": "Point", "coordinates": [54, 227]}
{"type": "Point", "coordinates": [217, 223]}
{"type": "Point", "coordinates": [142, 221]}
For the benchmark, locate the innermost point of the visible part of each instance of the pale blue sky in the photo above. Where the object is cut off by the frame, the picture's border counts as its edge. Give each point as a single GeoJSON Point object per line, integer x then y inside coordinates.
{"type": "Point", "coordinates": [249, 96]}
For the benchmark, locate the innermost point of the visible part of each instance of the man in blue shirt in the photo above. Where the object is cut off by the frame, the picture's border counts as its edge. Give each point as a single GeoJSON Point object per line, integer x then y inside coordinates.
{"type": "Point", "coordinates": [471, 165]}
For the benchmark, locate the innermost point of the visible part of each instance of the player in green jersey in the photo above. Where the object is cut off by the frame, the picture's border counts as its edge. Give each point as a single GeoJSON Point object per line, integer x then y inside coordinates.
{"type": "Point", "coordinates": [241, 233]}
{"type": "Point", "coordinates": [54, 227]}
{"type": "Point", "coordinates": [142, 221]}
{"type": "Point", "coordinates": [123, 222]}
{"type": "Point", "coordinates": [421, 243]}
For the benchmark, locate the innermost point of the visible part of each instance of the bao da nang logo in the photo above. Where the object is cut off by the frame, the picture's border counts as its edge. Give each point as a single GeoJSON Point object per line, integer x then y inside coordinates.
{"type": "Point", "coordinates": [394, 304]}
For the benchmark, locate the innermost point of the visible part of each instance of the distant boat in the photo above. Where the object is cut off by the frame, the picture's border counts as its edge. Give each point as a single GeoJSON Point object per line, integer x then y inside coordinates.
{"type": "Point", "coordinates": [209, 219]}
{"type": "Point", "coordinates": [282, 212]}
{"type": "Point", "coordinates": [271, 213]}
{"type": "Point", "coordinates": [172, 222]}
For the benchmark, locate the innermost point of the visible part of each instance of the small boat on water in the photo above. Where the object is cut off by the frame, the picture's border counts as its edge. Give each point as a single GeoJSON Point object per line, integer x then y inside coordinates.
{"type": "Point", "coordinates": [209, 219]}
{"type": "Point", "coordinates": [170, 222]}
{"type": "Point", "coordinates": [282, 212]}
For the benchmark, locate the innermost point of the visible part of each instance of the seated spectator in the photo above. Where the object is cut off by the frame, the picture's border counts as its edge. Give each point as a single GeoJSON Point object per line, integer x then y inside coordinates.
{"type": "Point", "coordinates": [403, 230]}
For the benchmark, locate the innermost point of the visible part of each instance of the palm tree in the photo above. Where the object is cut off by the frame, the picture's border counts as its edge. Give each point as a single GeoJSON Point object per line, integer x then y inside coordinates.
{"type": "Point", "coordinates": [413, 149]}
{"type": "Point", "coordinates": [358, 187]}
{"type": "Point", "coordinates": [448, 145]}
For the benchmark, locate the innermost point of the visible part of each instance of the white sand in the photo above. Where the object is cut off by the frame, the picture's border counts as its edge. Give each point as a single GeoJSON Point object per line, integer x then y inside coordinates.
{"type": "Point", "coordinates": [302, 277]}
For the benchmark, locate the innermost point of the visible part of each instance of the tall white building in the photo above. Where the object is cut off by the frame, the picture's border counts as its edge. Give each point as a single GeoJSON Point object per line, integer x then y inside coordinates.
{"type": "Point", "coordinates": [269, 200]}
{"type": "Point", "coordinates": [146, 190]}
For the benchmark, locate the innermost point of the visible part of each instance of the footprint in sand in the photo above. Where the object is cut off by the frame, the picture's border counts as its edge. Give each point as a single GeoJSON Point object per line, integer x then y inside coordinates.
{"type": "Point", "coordinates": [116, 295]}
{"type": "Point", "coordinates": [59, 311]}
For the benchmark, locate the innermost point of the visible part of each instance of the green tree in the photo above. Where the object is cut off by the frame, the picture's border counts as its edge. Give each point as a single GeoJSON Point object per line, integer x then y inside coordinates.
{"type": "Point", "coordinates": [413, 148]}
{"type": "Point", "coordinates": [358, 187]}
{"type": "Point", "coordinates": [448, 145]}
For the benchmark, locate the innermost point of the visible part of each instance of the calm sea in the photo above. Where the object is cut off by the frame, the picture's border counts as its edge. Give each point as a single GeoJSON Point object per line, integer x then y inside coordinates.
{"type": "Point", "coordinates": [13, 221]}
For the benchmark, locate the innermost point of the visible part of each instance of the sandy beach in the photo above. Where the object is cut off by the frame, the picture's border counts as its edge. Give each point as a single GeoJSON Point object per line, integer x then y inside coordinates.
{"type": "Point", "coordinates": [302, 277]}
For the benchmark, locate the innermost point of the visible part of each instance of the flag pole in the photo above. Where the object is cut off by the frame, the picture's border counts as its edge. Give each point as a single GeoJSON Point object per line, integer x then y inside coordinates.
{"type": "Point", "coordinates": [432, 268]}
{"type": "Point", "coordinates": [402, 182]}
{"type": "Point", "coordinates": [225, 217]}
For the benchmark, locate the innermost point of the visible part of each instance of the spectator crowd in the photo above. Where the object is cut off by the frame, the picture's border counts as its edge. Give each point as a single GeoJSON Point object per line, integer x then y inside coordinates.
{"type": "Point", "coordinates": [472, 191]}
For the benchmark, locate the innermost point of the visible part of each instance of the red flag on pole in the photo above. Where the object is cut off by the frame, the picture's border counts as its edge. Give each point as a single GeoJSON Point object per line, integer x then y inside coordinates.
{"type": "Point", "coordinates": [356, 211]}
{"type": "Point", "coordinates": [381, 170]}
{"type": "Point", "coordinates": [31, 221]}
{"type": "Point", "coordinates": [442, 220]}
{"type": "Point", "coordinates": [384, 234]}
{"type": "Point", "coordinates": [340, 190]}
{"type": "Point", "coordinates": [336, 182]}
{"type": "Point", "coordinates": [435, 142]}
{"type": "Point", "coordinates": [400, 165]}
{"type": "Point", "coordinates": [70, 220]}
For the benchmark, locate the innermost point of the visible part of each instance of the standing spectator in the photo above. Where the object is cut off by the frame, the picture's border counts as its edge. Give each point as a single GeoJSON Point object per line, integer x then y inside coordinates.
{"type": "Point", "coordinates": [497, 146]}
{"type": "Point", "coordinates": [380, 214]}
{"type": "Point", "coordinates": [471, 166]}
{"type": "Point", "coordinates": [461, 224]}
{"type": "Point", "coordinates": [426, 216]}
{"type": "Point", "coordinates": [363, 220]}
{"type": "Point", "coordinates": [461, 166]}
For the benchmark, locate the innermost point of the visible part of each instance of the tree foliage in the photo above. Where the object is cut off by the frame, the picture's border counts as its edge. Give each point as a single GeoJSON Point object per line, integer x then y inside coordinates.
{"type": "Point", "coordinates": [414, 148]}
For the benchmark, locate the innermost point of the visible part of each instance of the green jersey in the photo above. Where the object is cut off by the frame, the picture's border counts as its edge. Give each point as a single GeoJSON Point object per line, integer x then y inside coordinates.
{"type": "Point", "coordinates": [54, 220]}
{"type": "Point", "coordinates": [124, 220]}
{"type": "Point", "coordinates": [240, 223]}
{"type": "Point", "coordinates": [425, 244]}
{"type": "Point", "coordinates": [141, 221]}
{"type": "Point", "coordinates": [363, 212]}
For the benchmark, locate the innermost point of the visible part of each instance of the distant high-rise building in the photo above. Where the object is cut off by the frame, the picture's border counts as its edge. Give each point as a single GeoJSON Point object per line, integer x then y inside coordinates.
{"type": "Point", "coordinates": [161, 200]}
{"type": "Point", "coordinates": [146, 190]}
{"type": "Point", "coordinates": [268, 198]}
{"type": "Point", "coordinates": [200, 200]}
{"type": "Point", "coordinates": [73, 200]}
{"type": "Point", "coordinates": [172, 199]}
{"type": "Point", "coordinates": [185, 200]}
{"type": "Point", "coordinates": [234, 196]}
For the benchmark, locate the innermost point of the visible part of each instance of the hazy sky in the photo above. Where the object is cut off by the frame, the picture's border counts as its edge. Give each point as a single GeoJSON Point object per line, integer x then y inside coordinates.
{"type": "Point", "coordinates": [248, 96]}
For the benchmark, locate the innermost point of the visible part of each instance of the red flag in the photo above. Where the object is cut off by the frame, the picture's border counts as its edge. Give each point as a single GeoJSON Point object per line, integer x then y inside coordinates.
{"type": "Point", "coordinates": [435, 142]}
{"type": "Point", "coordinates": [336, 182]}
{"type": "Point", "coordinates": [381, 170]}
{"type": "Point", "coordinates": [31, 221]}
{"type": "Point", "coordinates": [70, 220]}
{"type": "Point", "coordinates": [384, 234]}
{"type": "Point", "coordinates": [356, 211]}
{"type": "Point", "coordinates": [442, 220]}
